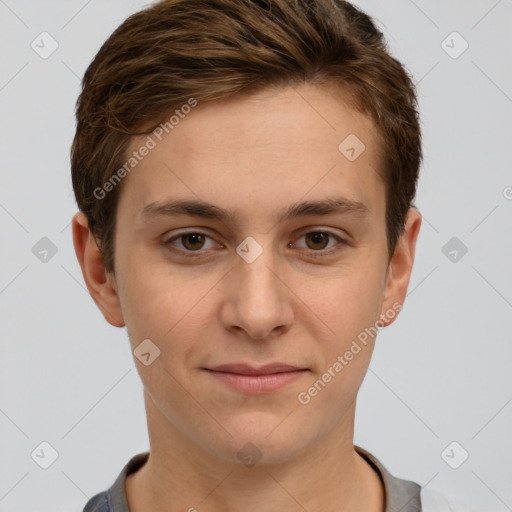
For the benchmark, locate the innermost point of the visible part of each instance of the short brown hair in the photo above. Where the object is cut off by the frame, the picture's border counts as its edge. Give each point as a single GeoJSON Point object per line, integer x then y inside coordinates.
{"type": "Point", "coordinates": [174, 50]}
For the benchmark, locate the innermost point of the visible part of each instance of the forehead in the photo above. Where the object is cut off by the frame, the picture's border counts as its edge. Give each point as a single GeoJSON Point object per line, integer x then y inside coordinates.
{"type": "Point", "coordinates": [254, 154]}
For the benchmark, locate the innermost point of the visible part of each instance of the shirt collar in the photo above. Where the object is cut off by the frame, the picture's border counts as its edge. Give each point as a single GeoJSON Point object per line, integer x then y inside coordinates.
{"type": "Point", "coordinates": [400, 495]}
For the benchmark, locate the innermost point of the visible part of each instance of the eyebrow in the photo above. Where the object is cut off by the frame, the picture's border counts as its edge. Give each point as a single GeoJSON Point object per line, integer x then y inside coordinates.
{"type": "Point", "coordinates": [205, 210]}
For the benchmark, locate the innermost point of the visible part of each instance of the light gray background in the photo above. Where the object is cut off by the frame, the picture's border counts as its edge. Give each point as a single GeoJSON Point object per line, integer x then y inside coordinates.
{"type": "Point", "coordinates": [440, 373]}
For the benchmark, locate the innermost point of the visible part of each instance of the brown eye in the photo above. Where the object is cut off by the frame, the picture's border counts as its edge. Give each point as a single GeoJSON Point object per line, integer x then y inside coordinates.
{"type": "Point", "coordinates": [317, 240]}
{"type": "Point", "coordinates": [319, 244]}
{"type": "Point", "coordinates": [192, 241]}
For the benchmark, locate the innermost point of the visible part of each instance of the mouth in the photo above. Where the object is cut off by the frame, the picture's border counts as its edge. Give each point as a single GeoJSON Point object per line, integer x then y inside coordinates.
{"type": "Point", "coordinates": [257, 380]}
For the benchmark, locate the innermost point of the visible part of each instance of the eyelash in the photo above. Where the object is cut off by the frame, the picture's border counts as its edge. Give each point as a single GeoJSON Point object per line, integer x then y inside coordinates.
{"type": "Point", "coordinates": [321, 253]}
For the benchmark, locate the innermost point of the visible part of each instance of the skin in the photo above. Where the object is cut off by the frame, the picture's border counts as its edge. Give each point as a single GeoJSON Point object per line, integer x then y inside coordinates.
{"type": "Point", "coordinates": [254, 155]}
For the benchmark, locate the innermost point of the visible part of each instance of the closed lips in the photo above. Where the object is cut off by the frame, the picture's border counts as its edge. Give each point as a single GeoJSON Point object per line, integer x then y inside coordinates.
{"type": "Point", "coordinates": [244, 369]}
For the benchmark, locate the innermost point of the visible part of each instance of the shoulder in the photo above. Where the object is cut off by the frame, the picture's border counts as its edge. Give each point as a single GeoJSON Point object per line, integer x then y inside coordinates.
{"type": "Point", "coordinates": [98, 503]}
{"type": "Point", "coordinates": [114, 498]}
{"type": "Point", "coordinates": [434, 501]}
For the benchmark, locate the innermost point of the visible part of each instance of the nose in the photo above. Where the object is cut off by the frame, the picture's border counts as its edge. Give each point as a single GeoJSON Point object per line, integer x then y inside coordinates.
{"type": "Point", "coordinates": [258, 302]}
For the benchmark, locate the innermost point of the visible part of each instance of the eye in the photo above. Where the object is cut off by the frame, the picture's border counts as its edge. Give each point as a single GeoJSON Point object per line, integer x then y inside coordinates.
{"type": "Point", "coordinates": [322, 242]}
{"type": "Point", "coordinates": [192, 241]}
{"type": "Point", "coordinates": [318, 244]}
{"type": "Point", "coordinates": [317, 239]}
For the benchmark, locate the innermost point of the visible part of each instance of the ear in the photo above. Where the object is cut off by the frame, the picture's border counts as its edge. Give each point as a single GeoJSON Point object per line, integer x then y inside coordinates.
{"type": "Point", "coordinates": [400, 268]}
{"type": "Point", "coordinates": [101, 285]}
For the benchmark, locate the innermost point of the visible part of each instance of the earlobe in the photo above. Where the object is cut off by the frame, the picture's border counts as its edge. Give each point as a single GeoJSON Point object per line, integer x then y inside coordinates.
{"type": "Point", "coordinates": [101, 284]}
{"type": "Point", "coordinates": [400, 268]}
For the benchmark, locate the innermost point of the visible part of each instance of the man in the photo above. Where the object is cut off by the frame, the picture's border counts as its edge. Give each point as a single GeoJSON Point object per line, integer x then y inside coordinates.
{"type": "Point", "coordinates": [245, 172]}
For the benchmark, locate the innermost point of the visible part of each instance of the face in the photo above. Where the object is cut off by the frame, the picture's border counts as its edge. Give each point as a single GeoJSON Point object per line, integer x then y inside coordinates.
{"type": "Point", "coordinates": [249, 236]}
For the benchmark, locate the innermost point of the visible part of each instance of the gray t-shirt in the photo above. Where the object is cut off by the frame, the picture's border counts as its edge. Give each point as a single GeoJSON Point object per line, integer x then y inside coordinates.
{"type": "Point", "coordinates": [400, 495]}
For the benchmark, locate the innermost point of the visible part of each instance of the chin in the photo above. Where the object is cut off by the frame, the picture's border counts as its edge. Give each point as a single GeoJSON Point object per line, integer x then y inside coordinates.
{"type": "Point", "coordinates": [261, 444]}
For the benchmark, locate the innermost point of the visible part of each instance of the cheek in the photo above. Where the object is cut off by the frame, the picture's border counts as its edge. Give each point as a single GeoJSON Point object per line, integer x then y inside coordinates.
{"type": "Point", "coordinates": [350, 309]}
{"type": "Point", "coordinates": [167, 307]}
{"type": "Point", "coordinates": [150, 295]}
{"type": "Point", "coordinates": [344, 303]}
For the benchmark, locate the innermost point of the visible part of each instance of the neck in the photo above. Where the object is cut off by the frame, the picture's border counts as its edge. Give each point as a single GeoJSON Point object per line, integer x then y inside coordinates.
{"type": "Point", "coordinates": [182, 476]}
